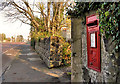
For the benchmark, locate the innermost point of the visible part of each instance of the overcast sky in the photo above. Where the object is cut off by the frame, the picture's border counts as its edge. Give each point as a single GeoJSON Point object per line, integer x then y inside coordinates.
{"type": "Point", "coordinates": [13, 29]}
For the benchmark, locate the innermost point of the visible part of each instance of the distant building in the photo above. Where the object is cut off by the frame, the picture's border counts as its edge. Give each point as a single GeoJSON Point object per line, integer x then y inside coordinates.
{"type": "Point", "coordinates": [66, 33]}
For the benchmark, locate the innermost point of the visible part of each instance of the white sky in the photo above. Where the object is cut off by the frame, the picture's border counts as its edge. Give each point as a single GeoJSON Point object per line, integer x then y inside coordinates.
{"type": "Point", "coordinates": [13, 29]}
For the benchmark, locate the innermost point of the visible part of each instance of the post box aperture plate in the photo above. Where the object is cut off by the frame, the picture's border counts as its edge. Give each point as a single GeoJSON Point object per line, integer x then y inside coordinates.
{"type": "Point", "coordinates": [93, 42]}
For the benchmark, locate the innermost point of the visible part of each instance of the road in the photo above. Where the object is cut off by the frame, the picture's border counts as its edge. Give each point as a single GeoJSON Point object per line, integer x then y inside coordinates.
{"type": "Point", "coordinates": [8, 45]}
{"type": "Point", "coordinates": [8, 53]}
{"type": "Point", "coordinates": [27, 66]}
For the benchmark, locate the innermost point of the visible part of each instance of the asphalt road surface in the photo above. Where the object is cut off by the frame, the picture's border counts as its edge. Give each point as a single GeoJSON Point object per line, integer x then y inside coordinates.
{"type": "Point", "coordinates": [7, 46]}
{"type": "Point", "coordinates": [8, 53]}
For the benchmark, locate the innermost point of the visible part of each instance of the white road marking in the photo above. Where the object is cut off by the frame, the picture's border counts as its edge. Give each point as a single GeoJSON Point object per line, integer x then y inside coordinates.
{"type": "Point", "coordinates": [31, 53]}
{"type": "Point", "coordinates": [7, 50]}
{"type": "Point", "coordinates": [34, 59]}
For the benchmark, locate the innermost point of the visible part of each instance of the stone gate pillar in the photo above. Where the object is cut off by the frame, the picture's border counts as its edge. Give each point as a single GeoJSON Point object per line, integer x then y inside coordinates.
{"type": "Point", "coordinates": [76, 35]}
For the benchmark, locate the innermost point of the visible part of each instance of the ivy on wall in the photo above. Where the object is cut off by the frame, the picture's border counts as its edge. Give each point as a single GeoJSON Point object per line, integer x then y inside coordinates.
{"type": "Point", "coordinates": [109, 18]}
{"type": "Point", "coordinates": [110, 22]}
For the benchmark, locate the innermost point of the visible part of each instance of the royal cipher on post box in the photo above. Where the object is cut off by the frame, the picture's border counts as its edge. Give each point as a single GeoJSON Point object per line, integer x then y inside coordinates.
{"type": "Point", "coordinates": [93, 42]}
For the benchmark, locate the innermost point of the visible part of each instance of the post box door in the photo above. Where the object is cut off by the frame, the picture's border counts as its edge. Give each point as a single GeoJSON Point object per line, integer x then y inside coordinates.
{"type": "Point", "coordinates": [93, 51]}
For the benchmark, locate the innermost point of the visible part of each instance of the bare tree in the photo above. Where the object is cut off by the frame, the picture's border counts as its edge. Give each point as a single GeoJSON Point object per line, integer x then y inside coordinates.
{"type": "Point", "coordinates": [22, 10]}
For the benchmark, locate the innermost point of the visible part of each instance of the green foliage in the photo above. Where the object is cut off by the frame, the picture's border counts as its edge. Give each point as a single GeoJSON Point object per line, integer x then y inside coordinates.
{"type": "Point", "coordinates": [82, 7]}
{"type": "Point", "coordinates": [66, 53]}
{"type": "Point", "coordinates": [69, 73]}
{"type": "Point", "coordinates": [109, 18]}
{"type": "Point", "coordinates": [66, 49]}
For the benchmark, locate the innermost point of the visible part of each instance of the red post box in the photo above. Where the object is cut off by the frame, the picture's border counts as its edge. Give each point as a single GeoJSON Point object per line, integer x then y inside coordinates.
{"type": "Point", "coordinates": [93, 42]}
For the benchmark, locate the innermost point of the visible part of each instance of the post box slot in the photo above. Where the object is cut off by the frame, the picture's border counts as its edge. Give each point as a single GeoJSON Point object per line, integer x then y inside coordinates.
{"type": "Point", "coordinates": [94, 23]}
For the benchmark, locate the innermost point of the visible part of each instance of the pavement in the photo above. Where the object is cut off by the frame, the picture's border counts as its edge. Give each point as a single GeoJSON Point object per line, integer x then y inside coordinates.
{"type": "Point", "coordinates": [27, 66]}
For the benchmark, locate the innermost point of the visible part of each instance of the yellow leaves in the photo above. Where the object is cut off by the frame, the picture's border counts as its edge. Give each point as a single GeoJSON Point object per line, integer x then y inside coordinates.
{"type": "Point", "coordinates": [41, 5]}
{"type": "Point", "coordinates": [51, 26]}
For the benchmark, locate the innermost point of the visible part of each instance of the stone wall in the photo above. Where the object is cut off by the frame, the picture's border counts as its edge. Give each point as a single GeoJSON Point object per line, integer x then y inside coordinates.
{"type": "Point", "coordinates": [50, 50]}
{"type": "Point", "coordinates": [43, 48]}
{"type": "Point", "coordinates": [110, 61]}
